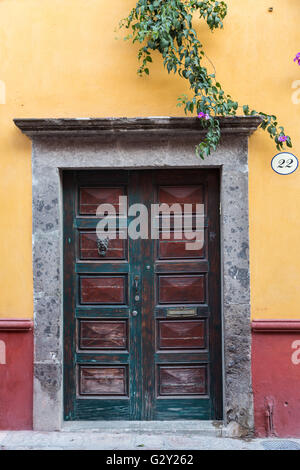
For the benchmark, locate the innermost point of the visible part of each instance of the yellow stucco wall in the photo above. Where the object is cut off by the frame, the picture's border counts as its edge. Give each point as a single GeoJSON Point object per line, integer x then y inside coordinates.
{"type": "Point", "coordinates": [62, 58]}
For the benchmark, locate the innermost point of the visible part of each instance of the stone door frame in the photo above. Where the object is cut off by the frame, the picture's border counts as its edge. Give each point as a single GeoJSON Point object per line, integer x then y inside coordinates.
{"type": "Point", "coordinates": [60, 144]}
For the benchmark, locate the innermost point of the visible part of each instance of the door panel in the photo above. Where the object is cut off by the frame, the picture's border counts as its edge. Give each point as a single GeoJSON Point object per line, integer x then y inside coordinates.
{"type": "Point", "coordinates": [181, 334]}
{"type": "Point", "coordinates": [88, 247]}
{"type": "Point", "coordinates": [142, 323]}
{"type": "Point", "coordinates": [103, 381]}
{"type": "Point", "coordinates": [103, 290]}
{"type": "Point", "coordinates": [176, 380]}
{"type": "Point", "coordinates": [182, 289]}
{"type": "Point", "coordinates": [187, 194]}
{"type": "Point", "coordinates": [175, 246]}
{"type": "Point", "coordinates": [102, 334]}
{"type": "Point", "coordinates": [91, 198]}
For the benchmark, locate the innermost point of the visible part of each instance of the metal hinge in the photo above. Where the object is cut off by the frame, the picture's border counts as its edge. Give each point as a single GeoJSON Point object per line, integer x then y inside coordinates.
{"type": "Point", "coordinates": [220, 208]}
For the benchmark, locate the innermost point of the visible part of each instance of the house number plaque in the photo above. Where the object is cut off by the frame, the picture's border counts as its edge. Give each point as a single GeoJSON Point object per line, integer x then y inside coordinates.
{"type": "Point", "coordinates": [284, 163]}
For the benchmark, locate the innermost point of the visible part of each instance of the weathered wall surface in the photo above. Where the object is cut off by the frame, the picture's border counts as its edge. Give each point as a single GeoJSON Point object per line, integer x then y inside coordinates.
{"type": "Point", "coordinates": [276, 369]}
{"type": "Point", "coordinates": [63, 59]}
{"type": "Point", "coordinates": [16, 372]}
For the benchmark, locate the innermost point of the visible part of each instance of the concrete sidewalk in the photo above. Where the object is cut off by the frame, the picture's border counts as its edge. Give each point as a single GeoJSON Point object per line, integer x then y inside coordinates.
{"type": "Point", "coordinates": [31, 440]}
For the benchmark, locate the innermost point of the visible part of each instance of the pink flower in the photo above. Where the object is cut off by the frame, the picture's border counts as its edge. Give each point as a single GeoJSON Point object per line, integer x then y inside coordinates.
{"type": "Point", "coordinates": [297, 58]}
{"type": "Point", "coordinates": [203, 116]}
{"type": "Point", "coordinates": [282, 138]}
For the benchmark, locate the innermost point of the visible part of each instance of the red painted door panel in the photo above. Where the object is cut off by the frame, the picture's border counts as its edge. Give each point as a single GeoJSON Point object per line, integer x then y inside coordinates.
{"type": "Point", "coordinates": [181, 334]}
{"type": "Point", "coordinates": [101, 334]}
{"type": "Point", "coordinates": [103, 290]}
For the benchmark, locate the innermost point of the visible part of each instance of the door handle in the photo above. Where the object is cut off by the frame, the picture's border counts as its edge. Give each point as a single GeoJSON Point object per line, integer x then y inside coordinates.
{"type": "Point", "coordinates": [134, 313]}
{"type": "Point", "coordinates": [136, 288]}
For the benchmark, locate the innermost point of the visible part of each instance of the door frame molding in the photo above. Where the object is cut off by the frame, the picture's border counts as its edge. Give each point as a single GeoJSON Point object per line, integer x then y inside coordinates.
{"type": "Point", "coordinates": [138, 143]}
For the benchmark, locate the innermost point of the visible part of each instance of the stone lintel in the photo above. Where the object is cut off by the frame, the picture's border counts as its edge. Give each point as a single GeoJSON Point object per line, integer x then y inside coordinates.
{"type": "Point", "coordinates": [168, 126]}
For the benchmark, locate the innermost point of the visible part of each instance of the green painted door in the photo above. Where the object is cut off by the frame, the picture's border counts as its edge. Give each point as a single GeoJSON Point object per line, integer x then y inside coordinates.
{"type": "Point", "coordinates": [142, 318]}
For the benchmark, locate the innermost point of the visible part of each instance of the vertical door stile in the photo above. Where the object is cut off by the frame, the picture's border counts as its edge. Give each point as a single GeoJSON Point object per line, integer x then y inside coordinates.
{"type": "Point", "coordinates": [135, 309]}
{"type": "Point", "coordinates": [214, 293]}
{"type": "Point", "coordinates": [69, 300]}
{"type": "Point", "coordinates": [148, 302]}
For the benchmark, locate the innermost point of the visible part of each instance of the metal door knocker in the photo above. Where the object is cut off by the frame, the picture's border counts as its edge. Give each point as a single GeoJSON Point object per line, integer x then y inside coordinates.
{"type": "Point", "coordinates": [102, 246]}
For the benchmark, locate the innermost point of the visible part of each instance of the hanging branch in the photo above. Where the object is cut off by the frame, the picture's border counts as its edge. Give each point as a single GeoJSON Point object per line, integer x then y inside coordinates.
{"type": "Point", "coordinates": [166, 26]}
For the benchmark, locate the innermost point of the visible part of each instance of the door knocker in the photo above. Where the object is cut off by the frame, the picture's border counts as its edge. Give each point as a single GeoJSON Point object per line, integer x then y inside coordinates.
{"type": "Point", "coordinates": [102, 246]}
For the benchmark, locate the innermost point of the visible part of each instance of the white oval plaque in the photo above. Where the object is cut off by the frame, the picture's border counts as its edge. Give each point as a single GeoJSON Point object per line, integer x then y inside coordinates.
{"type": "Point", "coordinates": [284, 163]}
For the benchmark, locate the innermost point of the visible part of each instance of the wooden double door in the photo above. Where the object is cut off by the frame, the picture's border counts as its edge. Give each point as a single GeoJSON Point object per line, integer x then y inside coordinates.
{"type": "Point", "coordinates": [142, 318]}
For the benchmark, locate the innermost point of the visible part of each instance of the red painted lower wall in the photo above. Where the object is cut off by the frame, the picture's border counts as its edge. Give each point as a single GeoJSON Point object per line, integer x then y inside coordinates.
{"type": "Point", "coordinates": [275, 371]}
{"type": "Point", "coordinates": [276, 377]}
{"type": "Point", "coordinates": [16, 374]}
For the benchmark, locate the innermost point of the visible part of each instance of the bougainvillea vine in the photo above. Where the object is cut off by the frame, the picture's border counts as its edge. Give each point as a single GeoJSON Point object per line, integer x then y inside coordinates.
{"type": "Point", "coordinates": [166, 26]}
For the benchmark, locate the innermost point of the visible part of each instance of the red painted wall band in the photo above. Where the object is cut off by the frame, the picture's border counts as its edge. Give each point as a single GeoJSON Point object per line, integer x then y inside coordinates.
{"type": "Point", "coordinates": [275, 326]}
{"type": "Point", "coordinates": [16, 373]}
{"type": "Point", "coordinates": [15, 324]}
{"type": "Point", "coordinates": [275, 377]}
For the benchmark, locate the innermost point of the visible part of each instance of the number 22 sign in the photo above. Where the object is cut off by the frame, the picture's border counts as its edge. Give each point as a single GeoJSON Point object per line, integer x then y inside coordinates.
{"type": "Point", "coordinates": [284, 163]}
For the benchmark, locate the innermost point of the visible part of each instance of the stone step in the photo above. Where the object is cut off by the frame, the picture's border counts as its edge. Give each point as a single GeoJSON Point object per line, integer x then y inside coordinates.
{"type": "Point", "coordinates": [202, 428]}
